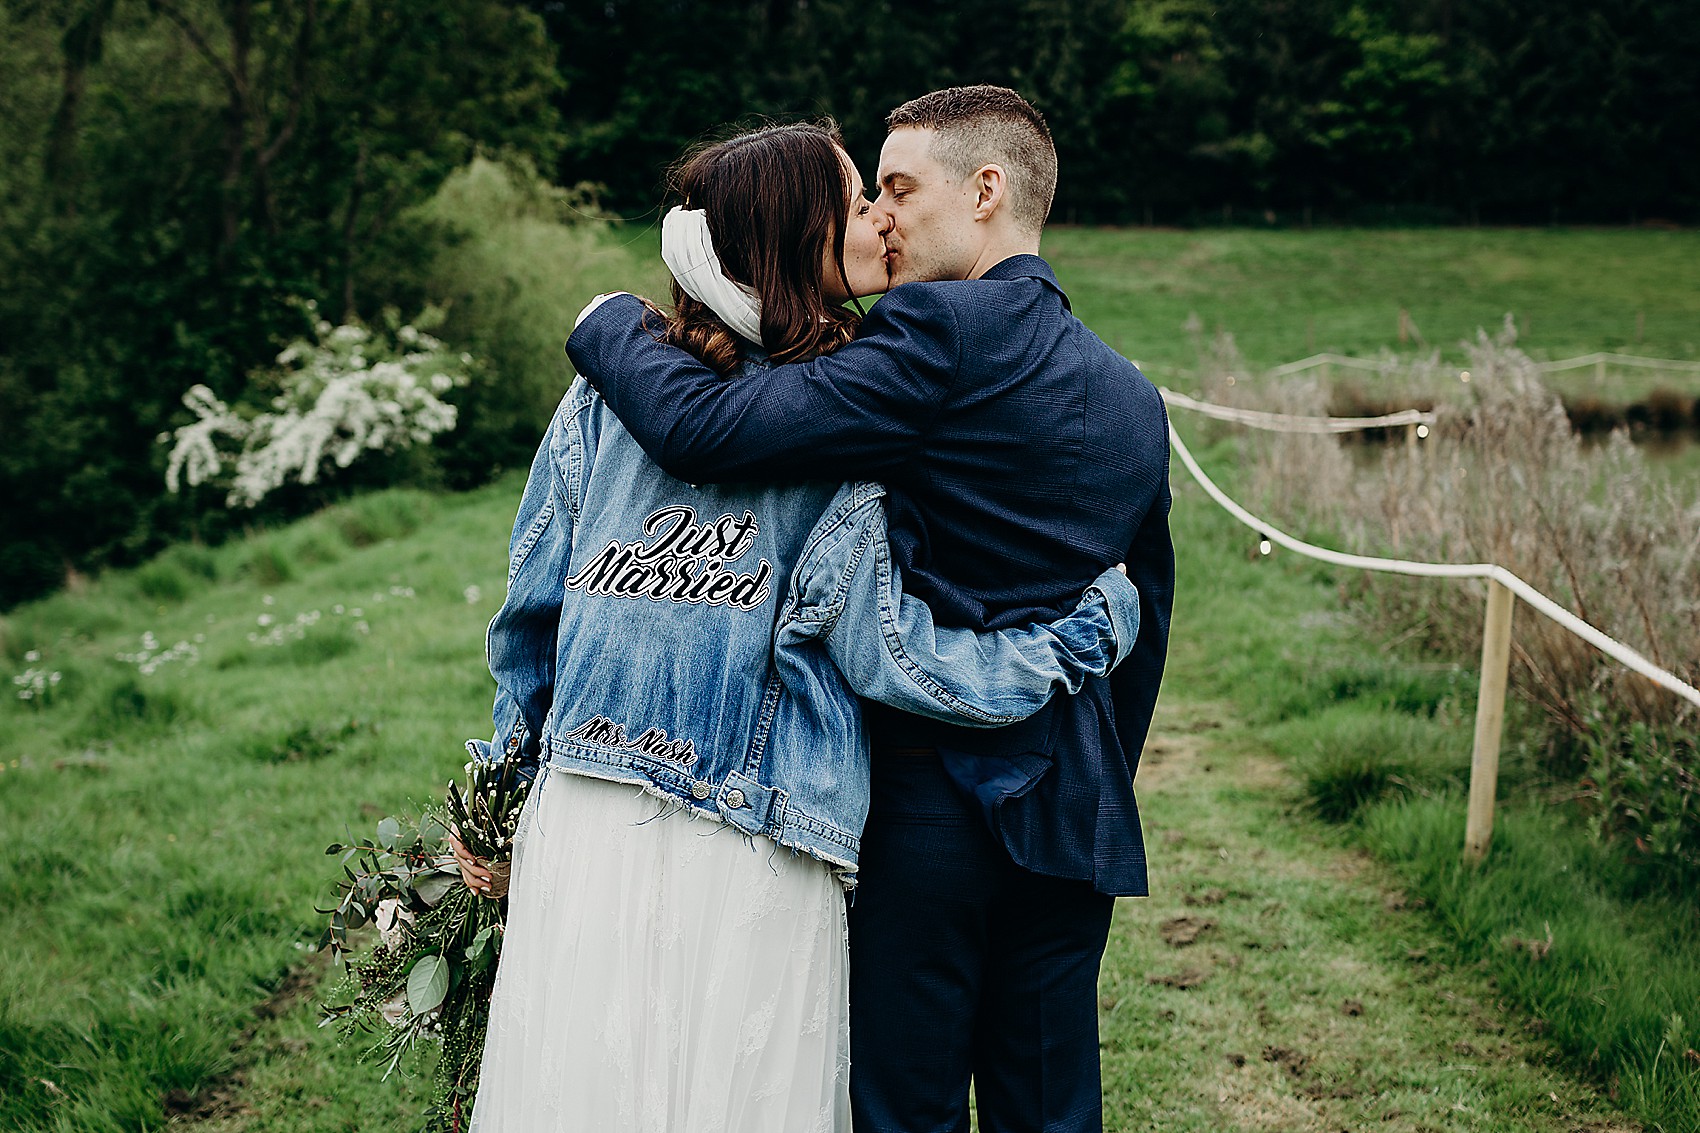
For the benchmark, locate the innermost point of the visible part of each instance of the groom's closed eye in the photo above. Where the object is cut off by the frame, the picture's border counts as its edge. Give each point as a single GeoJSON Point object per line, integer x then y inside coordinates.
{"type": "Point", "coordinates": [897, 184]}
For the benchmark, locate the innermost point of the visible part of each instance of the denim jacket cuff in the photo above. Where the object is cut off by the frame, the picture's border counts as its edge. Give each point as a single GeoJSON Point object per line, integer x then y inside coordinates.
{"type": "Point", "coordinates": [1121, 601]}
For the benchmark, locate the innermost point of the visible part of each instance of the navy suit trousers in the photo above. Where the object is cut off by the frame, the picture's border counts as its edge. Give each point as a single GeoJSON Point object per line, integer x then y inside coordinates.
{"type": "Point", "coordinates": [964, 965]}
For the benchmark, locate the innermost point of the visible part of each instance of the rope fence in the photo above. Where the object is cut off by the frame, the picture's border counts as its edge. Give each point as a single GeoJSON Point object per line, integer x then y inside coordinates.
{"type": "Point", "coordinates": [1598, 360]}
{"type": "Point", "coordinates": [1504, 588]}
{"type": "Point", "coordinates": [1289, 423]}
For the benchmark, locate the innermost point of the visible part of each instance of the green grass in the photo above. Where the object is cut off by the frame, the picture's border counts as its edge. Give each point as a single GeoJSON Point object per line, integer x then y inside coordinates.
{"type": "Point", "coordinates": [1381, 742]}
{"type": "Point", "coordinates": [164, 830]}
{"type": "Point", "coordinates": [1285, 295]}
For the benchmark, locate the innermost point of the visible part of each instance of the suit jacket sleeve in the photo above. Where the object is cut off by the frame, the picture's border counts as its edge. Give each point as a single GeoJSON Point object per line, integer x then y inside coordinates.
{"type": "Point", "coordinates": [856, 413]}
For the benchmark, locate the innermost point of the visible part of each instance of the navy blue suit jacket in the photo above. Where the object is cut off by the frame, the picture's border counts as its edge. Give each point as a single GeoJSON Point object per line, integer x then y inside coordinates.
{"type": "Point", "coordinates": [1022, 457]}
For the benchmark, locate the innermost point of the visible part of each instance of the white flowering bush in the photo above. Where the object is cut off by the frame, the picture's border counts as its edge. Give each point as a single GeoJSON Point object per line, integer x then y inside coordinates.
{"type": "Point", "coordinates": [348, 392]}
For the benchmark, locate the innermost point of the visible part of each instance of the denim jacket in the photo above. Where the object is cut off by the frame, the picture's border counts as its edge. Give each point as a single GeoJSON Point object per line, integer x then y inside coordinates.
{"type": "Point", "coordinates": [707, 643]}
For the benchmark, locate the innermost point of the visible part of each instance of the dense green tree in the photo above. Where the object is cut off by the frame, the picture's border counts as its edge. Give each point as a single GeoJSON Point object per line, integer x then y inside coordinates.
{"type": "Point", "coordinates": [175, 175]}
{"type": "Point", "coordinates": [201, 164]}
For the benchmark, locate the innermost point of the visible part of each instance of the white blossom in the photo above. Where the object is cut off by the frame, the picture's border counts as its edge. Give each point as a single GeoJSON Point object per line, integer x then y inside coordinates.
{"type": "Point", "coordinates": [341, 397]}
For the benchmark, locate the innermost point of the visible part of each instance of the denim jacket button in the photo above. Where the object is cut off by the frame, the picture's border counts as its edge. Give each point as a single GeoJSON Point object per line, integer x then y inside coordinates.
{"type": "Point", "coordinates": [734, 798]}
{"type": "Point", "coordinates": [701, 790]}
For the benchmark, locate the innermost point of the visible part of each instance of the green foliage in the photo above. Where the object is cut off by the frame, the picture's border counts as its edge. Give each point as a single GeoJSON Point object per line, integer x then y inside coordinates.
{"type": "Point", "coordinates": [1563, 922]}
{"type": "Point", "coordinates": [1553, 917]}
{"type": "Point", "coordinates": [376, 517]}
{"type": "Point", "coordinates": [1180, 110]}
{"type": "Point", "coordinates": [1355, 754]}
{"type": "Point", "coordinates": [180, 847]}
{"type": "Point", "coordinates": [305, 742]}
{"type": "Point", "coordinates": [269, 562]}
{"type": "Point", "coordinates": [126, 704]}
{"type": "Point", "coordinates": [514, 262]}
{"type": "Point", "coordinates": [171, 175]}
{"type": "Point", "coordinates": [1645, 796]}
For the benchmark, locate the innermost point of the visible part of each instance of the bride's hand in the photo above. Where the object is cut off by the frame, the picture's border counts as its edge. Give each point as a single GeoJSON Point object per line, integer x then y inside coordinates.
{"type": "Point", "coordinates": [595, 303]}
{"type": "Point", "coordinates": [477, 873]}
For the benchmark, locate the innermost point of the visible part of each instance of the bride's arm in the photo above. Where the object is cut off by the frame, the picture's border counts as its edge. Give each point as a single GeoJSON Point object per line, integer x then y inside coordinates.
{"type": "Point", "coordinates": [848, 593]}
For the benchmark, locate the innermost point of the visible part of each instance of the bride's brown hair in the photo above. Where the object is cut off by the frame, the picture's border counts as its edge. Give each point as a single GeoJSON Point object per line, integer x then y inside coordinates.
{"type": "Point", "coordinates": [776, 199]}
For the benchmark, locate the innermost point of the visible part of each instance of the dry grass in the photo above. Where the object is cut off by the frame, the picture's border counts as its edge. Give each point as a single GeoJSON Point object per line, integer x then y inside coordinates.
{"type": "Point", "coordinates": [1505, 478]}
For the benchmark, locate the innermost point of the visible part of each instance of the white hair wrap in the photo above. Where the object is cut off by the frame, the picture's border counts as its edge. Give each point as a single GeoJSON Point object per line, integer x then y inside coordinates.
{"type": "Point", "coordinates": [688, 251]}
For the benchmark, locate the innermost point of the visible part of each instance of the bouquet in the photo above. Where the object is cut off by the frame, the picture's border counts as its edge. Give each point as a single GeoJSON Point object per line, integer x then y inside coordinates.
{"type": "Point", "coordinates": [428, 976]}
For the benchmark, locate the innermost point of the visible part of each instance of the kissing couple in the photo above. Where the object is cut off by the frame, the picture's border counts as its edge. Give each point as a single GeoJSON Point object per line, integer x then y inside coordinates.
{"type": "Point", "coordinates": [832, 636]}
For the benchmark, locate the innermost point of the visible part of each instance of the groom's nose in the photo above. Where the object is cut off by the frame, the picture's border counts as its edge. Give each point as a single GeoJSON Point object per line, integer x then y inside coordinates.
{"type": "Point", "coordinates": [883, 220]}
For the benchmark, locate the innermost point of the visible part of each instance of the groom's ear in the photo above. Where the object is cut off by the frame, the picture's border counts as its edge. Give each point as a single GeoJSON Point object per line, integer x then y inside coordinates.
{"type": "Point", "coordinates": [990, 184]}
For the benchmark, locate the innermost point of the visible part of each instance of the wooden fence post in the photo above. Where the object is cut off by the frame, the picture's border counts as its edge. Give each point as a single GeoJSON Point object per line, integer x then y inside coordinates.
{"type": "Point", "coordinates": [1490, 719]}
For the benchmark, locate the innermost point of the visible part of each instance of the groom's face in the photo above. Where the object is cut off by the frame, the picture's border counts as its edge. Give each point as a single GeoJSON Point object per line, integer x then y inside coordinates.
{"type": "Point", "coordinates": [932, 234]}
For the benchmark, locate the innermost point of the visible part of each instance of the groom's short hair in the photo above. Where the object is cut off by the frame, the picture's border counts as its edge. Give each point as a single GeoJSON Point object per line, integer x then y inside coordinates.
{"type": "Point", "coordinates": [987, 125]}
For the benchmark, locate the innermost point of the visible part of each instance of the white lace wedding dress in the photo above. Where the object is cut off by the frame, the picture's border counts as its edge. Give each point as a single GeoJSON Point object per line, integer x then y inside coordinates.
{"type": "Point", "coordinates": [663, 975]}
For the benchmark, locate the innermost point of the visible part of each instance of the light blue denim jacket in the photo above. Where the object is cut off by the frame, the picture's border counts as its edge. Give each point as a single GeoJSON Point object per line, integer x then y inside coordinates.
{"type": "Point", "coordinates": [708, 643]}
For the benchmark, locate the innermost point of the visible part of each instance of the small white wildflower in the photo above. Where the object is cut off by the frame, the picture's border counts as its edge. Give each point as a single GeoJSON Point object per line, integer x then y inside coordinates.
{"type": "Point", "coordinates": [337, 609]}
{"type": "Point", "coordinates": [267, 600]}
{"type": "Point", "coordinates": [362, 627]}
{"type": "Point", "coordinates": [33, 655]}
{"type": "Point", "coordinates": [472, 594]}
{"type": "Point", "coordinates": [264, 620]}
{"type": "Point", "coordinates": [356, 613]}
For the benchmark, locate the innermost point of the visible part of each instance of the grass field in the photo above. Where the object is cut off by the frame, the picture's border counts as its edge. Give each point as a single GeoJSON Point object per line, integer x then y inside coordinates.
{"type": "Point", "coordinates": [166, 836]}
{"type": "Point", "coordinates": [165, 819]}
{"type": "Point", "coordinates": [1287, 295]}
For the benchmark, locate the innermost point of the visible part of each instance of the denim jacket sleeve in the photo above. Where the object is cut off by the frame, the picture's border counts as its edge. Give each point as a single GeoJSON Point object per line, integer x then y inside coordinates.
{"type": "Point", "coordinates": [520, 645]}
{"type": "Point", "coordinates": [848, 593]}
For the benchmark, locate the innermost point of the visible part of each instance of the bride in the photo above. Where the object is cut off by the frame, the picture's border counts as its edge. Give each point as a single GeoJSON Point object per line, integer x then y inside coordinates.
{"type": "Point", "coordinates": [680, 664]}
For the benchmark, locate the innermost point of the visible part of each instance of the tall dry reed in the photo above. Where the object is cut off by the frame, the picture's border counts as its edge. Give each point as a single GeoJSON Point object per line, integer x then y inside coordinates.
{"type": "Point", "coordinates": [1504, 478]}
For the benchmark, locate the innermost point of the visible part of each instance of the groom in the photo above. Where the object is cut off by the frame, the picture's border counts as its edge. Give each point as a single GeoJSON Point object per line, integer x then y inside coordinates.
{"type": "Point", "coordinates": [1022, 456]}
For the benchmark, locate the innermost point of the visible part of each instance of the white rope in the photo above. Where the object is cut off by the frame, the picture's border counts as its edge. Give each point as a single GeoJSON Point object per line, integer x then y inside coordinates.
{"type": "Point", "coordinates": [1617, 360]}
{"type": "Point", "coordinates": [1607, 645]}
{"type": "Point", "coordinates": [1288, 423]}
{"type": "Point", "coordinates": [1316, 360]}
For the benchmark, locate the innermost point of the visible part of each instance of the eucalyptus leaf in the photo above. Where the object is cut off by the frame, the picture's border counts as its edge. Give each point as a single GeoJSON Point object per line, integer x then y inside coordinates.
{"type": "Point", "coordinates": [433, 887]}
{"type": "Point", "coordinates": [480, 943]}
{"type": "Point", "coordinates": [389, 833]}
{"type": "Point", "coordinates": [427, 984]}
{"type": "Point", "coordinates": [432, 833]}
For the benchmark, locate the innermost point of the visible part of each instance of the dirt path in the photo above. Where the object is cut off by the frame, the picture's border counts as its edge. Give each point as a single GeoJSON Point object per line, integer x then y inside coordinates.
{"type": "Point", "coordinates": [1278, 980]}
